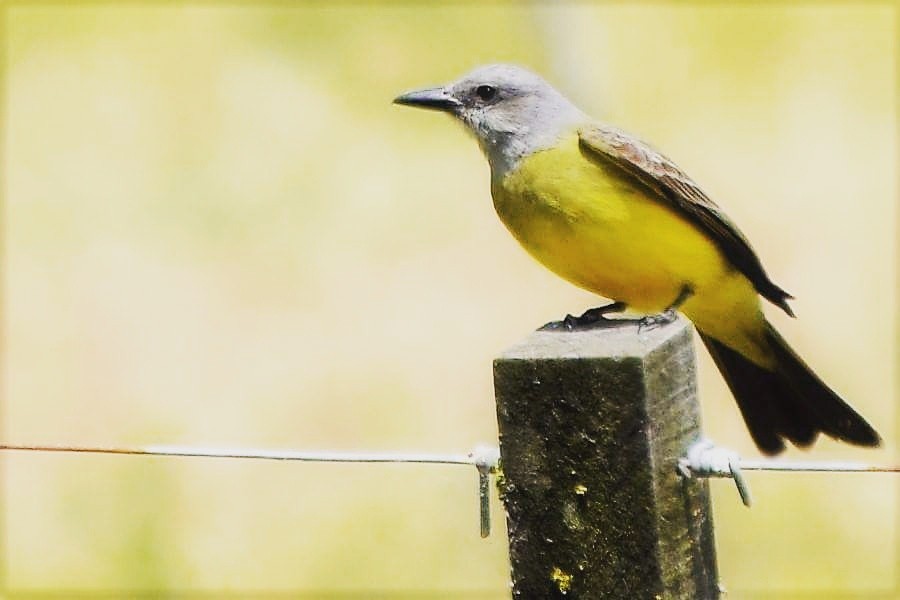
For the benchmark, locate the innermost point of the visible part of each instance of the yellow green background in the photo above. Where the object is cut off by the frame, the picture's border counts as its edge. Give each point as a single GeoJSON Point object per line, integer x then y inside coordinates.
{"type": "Point", "coordinates": [218, 231]}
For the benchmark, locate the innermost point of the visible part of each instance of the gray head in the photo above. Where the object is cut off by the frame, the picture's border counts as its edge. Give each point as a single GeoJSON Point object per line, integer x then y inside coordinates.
{"type": "Point", "coordinates": [511, 111]}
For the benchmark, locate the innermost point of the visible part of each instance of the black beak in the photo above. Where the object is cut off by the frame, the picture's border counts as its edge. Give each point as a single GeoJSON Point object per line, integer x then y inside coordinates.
{"type": "Point", "coordinates": [432, 98]}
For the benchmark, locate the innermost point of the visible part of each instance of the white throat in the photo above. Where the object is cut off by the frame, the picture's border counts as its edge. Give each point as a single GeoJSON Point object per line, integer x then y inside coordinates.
{"type": "Point", "coordinates": [505, 142]}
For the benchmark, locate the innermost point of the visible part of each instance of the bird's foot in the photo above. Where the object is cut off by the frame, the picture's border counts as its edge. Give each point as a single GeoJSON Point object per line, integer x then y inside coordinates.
{"type": "Point", "coordinates": [669, 315]}
{"type": "Point", "coordinates": [594, 318]}
{"type": "Point", "coordinates": [658, 320]}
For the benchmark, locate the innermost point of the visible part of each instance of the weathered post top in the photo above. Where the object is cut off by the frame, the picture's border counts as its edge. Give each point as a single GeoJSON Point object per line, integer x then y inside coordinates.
{"type": "Point", "coordinates": [592, 424]}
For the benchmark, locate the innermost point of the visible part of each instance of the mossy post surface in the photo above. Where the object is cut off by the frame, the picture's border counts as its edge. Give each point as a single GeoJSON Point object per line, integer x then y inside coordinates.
{"type": "Point", "coordinates": [592, 424]}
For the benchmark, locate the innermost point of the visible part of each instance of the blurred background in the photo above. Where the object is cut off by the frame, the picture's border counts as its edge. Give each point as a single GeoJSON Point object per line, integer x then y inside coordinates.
{"type": "Point", "coordinates": [218, 231]}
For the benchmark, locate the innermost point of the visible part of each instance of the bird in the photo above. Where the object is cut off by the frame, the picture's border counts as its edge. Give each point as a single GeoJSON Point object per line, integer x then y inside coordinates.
{"type": "Point", "coordinates": [609, 213]}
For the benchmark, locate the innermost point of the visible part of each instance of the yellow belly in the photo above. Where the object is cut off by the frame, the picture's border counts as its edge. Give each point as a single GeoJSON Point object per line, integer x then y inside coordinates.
{"type": "Point", "coordinates": [602, 233]}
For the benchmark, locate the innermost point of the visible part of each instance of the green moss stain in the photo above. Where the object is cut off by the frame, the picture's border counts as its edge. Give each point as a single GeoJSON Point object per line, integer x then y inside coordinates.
{"type": "Point", "coordinates": [500, 480]}
{"type": "Point", "coordinates": [562, 579]}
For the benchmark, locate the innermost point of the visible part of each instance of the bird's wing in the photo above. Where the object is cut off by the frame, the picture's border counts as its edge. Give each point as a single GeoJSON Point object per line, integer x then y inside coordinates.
{"type": "Point", "coordinates": [670, 185]}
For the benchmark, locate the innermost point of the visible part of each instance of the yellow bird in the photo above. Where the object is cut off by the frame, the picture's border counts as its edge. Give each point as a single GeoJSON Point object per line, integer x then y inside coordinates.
{"type": "Point", "coordinates": [612, 215]}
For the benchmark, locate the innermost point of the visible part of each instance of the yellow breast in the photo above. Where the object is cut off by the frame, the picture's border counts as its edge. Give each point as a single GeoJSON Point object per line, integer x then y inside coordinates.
{"type": "Point", "coordinates": [600, 231]}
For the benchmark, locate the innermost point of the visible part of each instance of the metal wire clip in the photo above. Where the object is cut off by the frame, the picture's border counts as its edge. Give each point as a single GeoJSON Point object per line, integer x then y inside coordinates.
{"type": "Point", "coordinates": [486, 459]}
{"type": "Point", "coordinates": [705, 459]}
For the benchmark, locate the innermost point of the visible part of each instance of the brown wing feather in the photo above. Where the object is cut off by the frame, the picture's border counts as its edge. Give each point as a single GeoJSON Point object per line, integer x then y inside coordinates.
{"type": "Point", "coordinates": [671, 185]}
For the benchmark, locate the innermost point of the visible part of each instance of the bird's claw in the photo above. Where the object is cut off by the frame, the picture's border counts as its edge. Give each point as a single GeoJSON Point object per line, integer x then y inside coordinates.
{"type": "Point", "coordinates": [658, 320]}
{"type": "Point", "coordinates": [594, 318]}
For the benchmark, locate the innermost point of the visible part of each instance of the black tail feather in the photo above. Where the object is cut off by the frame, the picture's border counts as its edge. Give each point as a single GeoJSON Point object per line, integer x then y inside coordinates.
{"type": "Point", "coordinates": [790, 402]}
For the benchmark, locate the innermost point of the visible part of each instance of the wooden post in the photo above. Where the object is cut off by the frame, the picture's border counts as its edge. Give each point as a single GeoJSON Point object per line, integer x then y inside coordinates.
{"type": "Point", "coordinates": [591, 428]}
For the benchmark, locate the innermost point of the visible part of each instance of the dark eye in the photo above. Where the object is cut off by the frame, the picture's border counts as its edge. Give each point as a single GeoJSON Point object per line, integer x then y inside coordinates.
{"type": "Point", "coordinates": [486, 92]}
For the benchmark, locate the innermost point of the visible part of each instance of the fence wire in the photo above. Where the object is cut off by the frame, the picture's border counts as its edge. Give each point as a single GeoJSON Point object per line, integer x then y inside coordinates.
{"type": "Point", "coordinates": [703, 459]}
{"type": "Point", "coordinates": [484, 458]}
